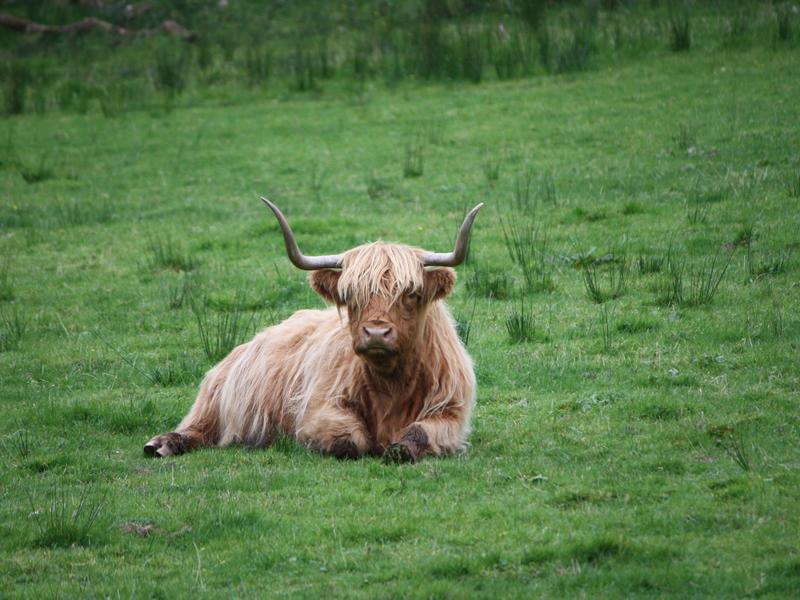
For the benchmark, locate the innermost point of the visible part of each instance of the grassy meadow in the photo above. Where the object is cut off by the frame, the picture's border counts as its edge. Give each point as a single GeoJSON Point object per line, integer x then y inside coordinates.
{"type": "Point", "coordinates": [631, 301]}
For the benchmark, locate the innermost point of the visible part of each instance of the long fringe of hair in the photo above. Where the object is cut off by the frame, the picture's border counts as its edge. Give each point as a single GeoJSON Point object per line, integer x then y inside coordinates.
{"type": "Point", "coordinates": [380, 269]}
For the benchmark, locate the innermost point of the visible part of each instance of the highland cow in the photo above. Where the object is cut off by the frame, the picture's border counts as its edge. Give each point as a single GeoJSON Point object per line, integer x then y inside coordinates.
{"type": "Point", "coordinates": [382, 372]}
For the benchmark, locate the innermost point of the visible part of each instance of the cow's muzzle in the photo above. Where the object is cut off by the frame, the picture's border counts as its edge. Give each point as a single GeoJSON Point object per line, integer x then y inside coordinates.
{"type": "Point", "coordinates": [377, 339]}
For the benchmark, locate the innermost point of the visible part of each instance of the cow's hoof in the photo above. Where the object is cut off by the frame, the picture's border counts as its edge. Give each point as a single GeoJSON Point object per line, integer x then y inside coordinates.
{"type": "Point", "coordinates": [344, 449]}
{"type": "Point", "coordinates": [398, 453]}
{"type": "Point", "coordinates": [169, 444]}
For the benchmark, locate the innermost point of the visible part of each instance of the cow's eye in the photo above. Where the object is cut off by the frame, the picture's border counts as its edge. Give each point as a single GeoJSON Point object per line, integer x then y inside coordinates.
{"type": "Point", "coordinates": [416, 297]}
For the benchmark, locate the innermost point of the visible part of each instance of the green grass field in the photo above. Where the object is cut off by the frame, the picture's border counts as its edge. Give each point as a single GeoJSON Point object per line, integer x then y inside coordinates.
{"type": "Point", "coordinates": [631, 303]}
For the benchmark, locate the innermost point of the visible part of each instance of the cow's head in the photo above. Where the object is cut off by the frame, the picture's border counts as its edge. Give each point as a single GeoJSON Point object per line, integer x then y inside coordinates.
{"type": "Point", "coordinates": [385, 288]}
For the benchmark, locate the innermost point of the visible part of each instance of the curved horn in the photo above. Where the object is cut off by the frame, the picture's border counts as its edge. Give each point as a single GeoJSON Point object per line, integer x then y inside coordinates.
{"type": "Point", "coordinates": [300, 260]}
{"type": "Point", "coordinates": [457, 256]}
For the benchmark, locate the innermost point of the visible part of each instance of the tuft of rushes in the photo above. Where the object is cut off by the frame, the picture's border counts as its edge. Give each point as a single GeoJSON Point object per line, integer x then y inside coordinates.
{"type": "Point", "coordinates": [520, 323]}
{"type": "Point", "coordinates": [464, 321]}
{"type": "Point", "coordinates": [377, 187]}
{"type": "Point", "coordinates": [764, 263]}
{"type": "Point", "coordinates": [684, 138]}
{"type": "Point", "coordinates": [523, 200]}
{"type": "Point", "coordinates": [17, 81]}
{"type": "Point", "coordinates": [36, 173]}
{"type": "Point", "coordinates": [574, 52]}
{"type": "Point", "coordinates": [171, 70]}
{"type": "Point", "coordinates": [182, 291]}
{"type": "Point", "coordinates": [612, 286]}
{"type": "Point", "coordinates": [304, 72]}
{"type": "Point", "coordinates": [649, 263]}
{"type": "Point", "coordinates": [491, 170]}
{"type": "Point", "coordinates": [489, 283]}
{"type": "Point", "coordinates": [793, 185]}
{"type": "Point", "coordinates": [13, 327]}
{"type": "Point", "coordinates": [607, 327]}
{"type": "Point", "coordinates": [257, 65]}
{"type": "Point", "coordinates": [166, 254]}
{"type": "Point", "coordinates": [414, 161]}
{"type": "Point", "coordinates": [183, 369]}
{"type": "Point", "coordinates": [221, 332]}
{"type": "Point", "coordinates": [680, 32]}
{"type": "Point", "coordinates": [469, 55]}
{"type": "Point", "coordinates": [527, 247]}
{"type": "Point", "coordinates": [783, 16]}
{"type": "Point", "coordinates": [697, 214]}
{"type": "Point", "coordinates": [6, 285]}
{"type": "Point", "coordinates": [18, 445]}
{"type": "Point", "coordinates": [69, 520]}
{"type": "Point", "coordinates": [77, 211]}
{"type": "Point", "coordinates": [689, 285]}
{"type": "Point", "coordinates": [731, 440]}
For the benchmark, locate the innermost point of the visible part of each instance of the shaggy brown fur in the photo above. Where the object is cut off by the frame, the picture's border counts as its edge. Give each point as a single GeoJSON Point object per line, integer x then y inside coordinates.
{"type": "Point", "coordinates": [381, 373]}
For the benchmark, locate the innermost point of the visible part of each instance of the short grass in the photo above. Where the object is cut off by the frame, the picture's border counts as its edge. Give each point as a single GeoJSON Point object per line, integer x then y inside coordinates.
{"type": "Point", "coordinates": [632, 448]}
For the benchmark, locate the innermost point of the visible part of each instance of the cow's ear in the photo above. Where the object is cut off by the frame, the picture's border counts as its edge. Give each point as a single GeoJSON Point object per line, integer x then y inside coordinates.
{"type": "Point", "coordinates": [325, 283]}
{"type": "Point", "coordinates": [439, 283]}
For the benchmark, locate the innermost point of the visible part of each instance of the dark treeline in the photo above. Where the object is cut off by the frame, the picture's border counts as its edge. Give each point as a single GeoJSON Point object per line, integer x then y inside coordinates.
{"type": "Point", "coordinates": [310, 46]}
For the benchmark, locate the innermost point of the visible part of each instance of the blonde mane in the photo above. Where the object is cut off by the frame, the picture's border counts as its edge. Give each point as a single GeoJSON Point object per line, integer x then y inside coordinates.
{"type": "Point", "coordinates": [380, 269]}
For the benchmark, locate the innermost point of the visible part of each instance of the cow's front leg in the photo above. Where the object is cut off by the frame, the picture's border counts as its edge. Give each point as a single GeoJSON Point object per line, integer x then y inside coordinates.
{"type": "Point", "coordinates": [442, 434]}
{"type": "Point", "coordinates": [187, 438]}
{"type": "Point", "coordinates": [409, 448]}
{"type": "Point", "coordinates": [334, 431]}
{"type": "Point", "coordinates": [170, 444]}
